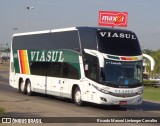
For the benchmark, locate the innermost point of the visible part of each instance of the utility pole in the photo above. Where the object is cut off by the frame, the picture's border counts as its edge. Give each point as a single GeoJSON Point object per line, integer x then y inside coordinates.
{"type": "Point", "coordinates": [28, 8]}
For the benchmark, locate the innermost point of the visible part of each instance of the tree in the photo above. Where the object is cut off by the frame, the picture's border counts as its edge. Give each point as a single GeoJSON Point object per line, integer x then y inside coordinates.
{"type": "Point", "coordinates": [148, 51]}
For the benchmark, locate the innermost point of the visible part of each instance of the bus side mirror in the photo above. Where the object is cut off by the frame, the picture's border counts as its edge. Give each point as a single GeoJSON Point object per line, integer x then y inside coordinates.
{"type": "Point", "coordinates": [97, 54]}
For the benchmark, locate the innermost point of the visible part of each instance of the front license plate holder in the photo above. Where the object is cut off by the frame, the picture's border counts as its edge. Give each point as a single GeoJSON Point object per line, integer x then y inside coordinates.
{"type": "Point", "coordinates": [122, 102]}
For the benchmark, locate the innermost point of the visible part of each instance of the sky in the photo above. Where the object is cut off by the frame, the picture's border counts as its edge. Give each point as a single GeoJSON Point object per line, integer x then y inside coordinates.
{"type": "Point", "coordinates": [143, 17]}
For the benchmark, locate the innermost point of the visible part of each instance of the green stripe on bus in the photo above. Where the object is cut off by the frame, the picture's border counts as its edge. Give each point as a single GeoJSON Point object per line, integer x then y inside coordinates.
{"type": "Point", "coordinates": [16, 61]}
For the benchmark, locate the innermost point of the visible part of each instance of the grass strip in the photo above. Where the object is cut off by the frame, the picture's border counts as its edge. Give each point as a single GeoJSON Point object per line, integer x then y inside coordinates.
{"type": "Point", "coordinates": [151, 93]}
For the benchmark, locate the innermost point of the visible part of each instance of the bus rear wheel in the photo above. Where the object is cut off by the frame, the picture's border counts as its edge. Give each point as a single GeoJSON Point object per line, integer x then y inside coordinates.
{"type": "Point", "coordinates": [22, 87]}
{"type": "Point", "coordinates": [28, 88]}
{"type": "Point", "coordinates": [77, 97]}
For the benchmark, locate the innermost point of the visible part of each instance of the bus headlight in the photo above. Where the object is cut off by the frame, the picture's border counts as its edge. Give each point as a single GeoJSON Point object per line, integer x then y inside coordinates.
{"type": "Point", "coordinates": [100, 89]}
{"type": "Point", "coordinates": [140, 91]}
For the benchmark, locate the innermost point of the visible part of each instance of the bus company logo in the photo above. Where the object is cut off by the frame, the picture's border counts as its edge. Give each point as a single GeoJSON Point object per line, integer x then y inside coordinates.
{"type": "Point", "coordinates": [124, 91]}
{"type": "Point", "coordinates": [110, 18]}
{"type": "Point", "coordinates": [47, 56]}
{"type": "Point", "coordinates": [117, 35]}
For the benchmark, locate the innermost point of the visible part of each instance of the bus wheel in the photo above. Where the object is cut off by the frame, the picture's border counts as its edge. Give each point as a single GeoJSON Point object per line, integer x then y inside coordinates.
{"type": "Point", "coordinates": [77, 97]}
{"type": "Point", "coordinates": [28, 88]}
{"type": "Point", "coordinates": [22, 87]}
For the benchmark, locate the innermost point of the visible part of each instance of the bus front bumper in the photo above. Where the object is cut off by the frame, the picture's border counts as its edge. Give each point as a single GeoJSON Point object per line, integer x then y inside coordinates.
{"type": "Point", "coordinates": [108, 99]}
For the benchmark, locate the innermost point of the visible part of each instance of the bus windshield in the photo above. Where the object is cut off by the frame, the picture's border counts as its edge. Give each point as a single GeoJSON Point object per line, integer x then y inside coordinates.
{"type": "Point", "coordinates": [118, 73]}
{"type": "Point", "coordinates": [122, 43]}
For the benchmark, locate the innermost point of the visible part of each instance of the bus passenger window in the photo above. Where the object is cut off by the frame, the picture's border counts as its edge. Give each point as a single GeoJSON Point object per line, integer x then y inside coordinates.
{"type": "Point", "coordinates": [35, 68]}
{"type": "Point", "coordinates": [70, 71]}
{"type": "Point", "coordinates": [65, 70]}
{"type": "Point", "coordinates": [73, 72]}
{"type": "Point", "coordinates": [56, 70]}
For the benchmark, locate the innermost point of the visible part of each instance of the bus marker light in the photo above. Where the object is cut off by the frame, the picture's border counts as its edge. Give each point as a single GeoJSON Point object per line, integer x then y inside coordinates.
{"type": "Point", "coordinates": [129, 58]}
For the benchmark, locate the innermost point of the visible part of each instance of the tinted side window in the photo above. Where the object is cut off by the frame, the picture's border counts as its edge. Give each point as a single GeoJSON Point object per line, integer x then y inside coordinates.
{"type": "Point", "coordinates": [54, 69]}
{"type": "Point", "coordinates": [88, 39]}
{"type": "Point", "coordinates": [91, 67]}
{"type": "Point", "coordinates": [35, 41]}
{"type": "Point", "coordinates": [69, 71]}
{"type": "Point", "coordinates": [46, 69]}
{"type": "Point", "coordinates": [35, 68]}
{"type": "Point", "coordinates": [65, 70]}
{"type": "Point", "coordinates": [73, 72]}
{"type": "Point", "coordinates": [65, 40]}
{"type": "Point", "coordinates": [55, 40]}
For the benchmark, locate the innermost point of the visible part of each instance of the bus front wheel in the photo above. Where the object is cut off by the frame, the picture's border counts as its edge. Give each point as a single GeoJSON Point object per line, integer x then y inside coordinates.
{"type": "Point", "coordinates": [77, 97]}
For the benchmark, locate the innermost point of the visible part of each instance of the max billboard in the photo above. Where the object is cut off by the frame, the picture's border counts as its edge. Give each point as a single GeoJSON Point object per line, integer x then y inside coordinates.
{"type": "Point", "coordinates": [112, 18]}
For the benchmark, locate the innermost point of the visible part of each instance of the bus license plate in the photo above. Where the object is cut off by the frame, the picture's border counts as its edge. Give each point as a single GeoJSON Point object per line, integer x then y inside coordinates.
{"type": "Point", "coordinates": [123, 102]}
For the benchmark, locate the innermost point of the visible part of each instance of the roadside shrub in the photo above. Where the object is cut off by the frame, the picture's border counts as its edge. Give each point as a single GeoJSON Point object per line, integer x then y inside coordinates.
{"type": "Point", "coordinates": [150, 82]}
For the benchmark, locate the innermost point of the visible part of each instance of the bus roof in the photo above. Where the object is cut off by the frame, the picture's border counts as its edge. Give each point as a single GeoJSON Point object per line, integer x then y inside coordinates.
{"type": "Point", "coordinates": [45, 31]}
{"type": "Point", "coordinates": [69, 29]}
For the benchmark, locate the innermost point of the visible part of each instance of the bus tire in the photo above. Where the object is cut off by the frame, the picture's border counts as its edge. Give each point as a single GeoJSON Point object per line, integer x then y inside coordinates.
{"type": "Point", "coordinates": [28, 88]}
{"type": "Point", "coordinates": [77, 97]}
{"type": "Point", "coordinates": [22, 88]}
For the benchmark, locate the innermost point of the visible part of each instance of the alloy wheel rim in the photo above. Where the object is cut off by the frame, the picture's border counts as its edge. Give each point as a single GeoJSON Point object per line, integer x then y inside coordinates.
{"type": "Point", "coordinates": [29, 88]}
{"type": "Point", "coordinates": [78, 96]}
{"type": "Point", "coordinates": [22, 86]}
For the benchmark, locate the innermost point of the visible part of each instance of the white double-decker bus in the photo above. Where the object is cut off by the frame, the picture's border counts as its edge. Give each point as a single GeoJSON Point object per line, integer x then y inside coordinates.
{"type": "Point", "coordinates": [93, 64]}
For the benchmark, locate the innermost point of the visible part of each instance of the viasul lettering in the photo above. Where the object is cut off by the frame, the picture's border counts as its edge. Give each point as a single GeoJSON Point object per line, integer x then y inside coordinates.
{"type": "Point", "coordinates": [49, 56]}
{"type": "Point", "coordinates": [118, 35]}
{"type": "Point", "coordinates": [124, 91]}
